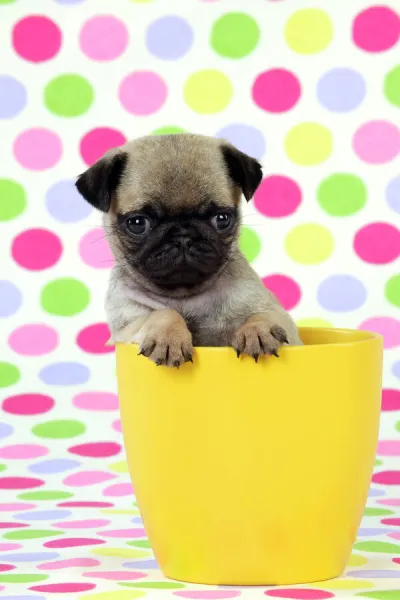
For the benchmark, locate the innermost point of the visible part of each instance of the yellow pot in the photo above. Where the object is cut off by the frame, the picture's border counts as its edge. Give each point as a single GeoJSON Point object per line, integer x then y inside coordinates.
{"type": "Point", "coordinates": [254, 474]}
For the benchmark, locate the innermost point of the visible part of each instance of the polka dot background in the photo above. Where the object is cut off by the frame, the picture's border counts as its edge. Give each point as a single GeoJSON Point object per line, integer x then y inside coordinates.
{"type": "Point", "coordinates": [312, 90]}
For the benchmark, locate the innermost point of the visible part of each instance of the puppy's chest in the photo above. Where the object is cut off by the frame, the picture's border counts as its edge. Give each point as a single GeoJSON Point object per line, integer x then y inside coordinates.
{"type": "Point", "coordinates": [214, 328]}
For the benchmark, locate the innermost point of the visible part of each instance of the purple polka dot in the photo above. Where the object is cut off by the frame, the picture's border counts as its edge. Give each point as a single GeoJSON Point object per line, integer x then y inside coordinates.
{"type": "Point", "coordinates": [54, 465]}
{"type": "Point", "coordinates": [65, 373]}
{"type": "Point", "coordinates": [246, 138]}
{"type": "Point", "coordinates": [142, 564]}
{"type": "Point", "coordinates": [69, 1]}
{"type": "Point", "coordinates": [372, 531]}
{"type": "Point", "coordinates": [24, 597]}
{"type": "Point", "coordinates": [395, 370]}
{"type": "Point", "coordinates": [374, 492]}
{"type": "Point", "coordinates": [393, 194]}
{"type": "Point", "coordinates": [10, 298]}
{"type": "Point", "coordinates": [29, 557]}
{"type": "Point", "coordinates": [137, 520]}
{"type": "Point", "coordinates": [5, 430]}
{"type": "Point", "coordinates": [44, 515]}
{"type": "Point", "coordinates": [169, 38]}
{"type": "Point", "coordinates": [374, 574]}
{"type": "Point", "coordinates": [341, 293]}
{"type": "Point", "coordinates": [12, 97]}
{"type": "Point", "coordinates": [65, 204]}
{"type": "Point", "coordinates": [341, 90]}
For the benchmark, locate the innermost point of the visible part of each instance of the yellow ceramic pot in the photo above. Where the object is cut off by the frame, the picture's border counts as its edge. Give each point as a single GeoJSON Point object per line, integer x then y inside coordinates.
{"type": "Point", "coordinates": [254, 474]}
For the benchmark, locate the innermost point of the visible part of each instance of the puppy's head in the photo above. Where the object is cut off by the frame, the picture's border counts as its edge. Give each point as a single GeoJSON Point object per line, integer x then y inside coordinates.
{"type": "Point", "coordinates": [172, 206]}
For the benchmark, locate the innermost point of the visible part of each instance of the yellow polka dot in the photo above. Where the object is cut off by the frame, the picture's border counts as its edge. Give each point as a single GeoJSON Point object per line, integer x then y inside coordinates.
{"type": "Point", "coordinates": [114, 595]}
{"type": "Point", "coordinates": [116, 511]}
{"type": "Point", "coordinates": [314, 322]}
{"type": "Point", "coordinates": [141, 1]}
{"type": "Point", "coordinates": [356, 560]}
{"type": "Point", "coordinates": [308, 144]}
{"type": "Point", "coordinates": [121, 552]}
{"type": "Point", "coordinates": [119, 467]}
{"type": "Point", "coordinates": [345, 584]}
{"type": "Point", "coordinates": [207, 92]}
{"type": "Point", "coordinates": [309, 244]}
{"type": "Point", "coordinates": [308, 31]}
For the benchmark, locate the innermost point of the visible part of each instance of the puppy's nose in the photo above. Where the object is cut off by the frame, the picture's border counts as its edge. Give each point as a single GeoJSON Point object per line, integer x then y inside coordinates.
{"type": "Point", "coordinates": [183, 242]}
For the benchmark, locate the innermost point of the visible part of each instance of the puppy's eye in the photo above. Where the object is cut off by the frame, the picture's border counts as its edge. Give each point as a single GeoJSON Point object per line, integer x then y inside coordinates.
{"type": "Point", "coordinates": [222, 220]}
{"type": "Point", "coordinates": [138, 225]}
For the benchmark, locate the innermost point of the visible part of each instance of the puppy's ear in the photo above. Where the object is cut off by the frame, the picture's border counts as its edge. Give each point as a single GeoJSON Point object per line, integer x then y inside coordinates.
{"type": "Point", "coordinates": [244, 171]}
{"type": "Point", "coordinates": [98, 183]}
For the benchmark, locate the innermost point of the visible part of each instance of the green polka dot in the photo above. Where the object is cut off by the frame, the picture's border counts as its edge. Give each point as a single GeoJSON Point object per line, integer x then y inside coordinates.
{"type": "Point", "coordinates": [65, 297]}
{"type": "Point", "coordinates": [392, 86]}
{"type": "Point", "coordinates": [309, 244]}
{"type": "Point", "coordinates": [308, 144]}
{"type": "Point", "coordinates": [59, 430]}
{"type": "Point", "coordinates": [392, 290]}
{"type": "Point", "coordinates": [7, 1]}
{"type": "Point", "coordinates": [382, 594]}
{"type": "Point", "coordinates": [31, 534]}
{"type": "Point", "coordinates": [9, 374]}
{"type": "Point", "coordinates": [140, 544]}
{"type": "Point", "coordinates": [68, 95]}
{"type": "Point", "coordinates": [112, 595]}
{"type": "Point", "coordinates": [207, 92]}
{"type": "Point", "coordinates": [377, 512]}
{"type": "Point", "coordinates": [121, 552]}
{"type": "Point", "coordinates": [12, 199]}
{"type": "Point", "coordinates": [45, 495]}
{"type": "Point", "coordinates": [380, 547]}
{"type": "Point", "coordinates": [378, 462]}
{"type": "Point", "coordinates": [356, 560]}
{"type": "Point", "coordinates": [3, 468]}
{"type": "Point", "coordinates": [398, 426]}
{"type": "Point", "coordinates": [22, 578]}
{"type": "Point", "coordinates": [168, 130]}
{"type": "Point", "coordinates": [249, 243]}
{"type": "Point", "coordinates": [308, 31]}
{"type": "Point", "coordinates": [156, 585]}
{"type": "Point", "coordinates": [235, 35]}
{"type": "Point", "coordinates": [342, 194]}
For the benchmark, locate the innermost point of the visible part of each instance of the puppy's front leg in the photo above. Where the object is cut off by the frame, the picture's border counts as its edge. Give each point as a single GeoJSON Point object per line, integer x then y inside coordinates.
{"type": "Point", "coordinates": [165, 338]}
{"type": "Point", "coordinates": [264, 333]}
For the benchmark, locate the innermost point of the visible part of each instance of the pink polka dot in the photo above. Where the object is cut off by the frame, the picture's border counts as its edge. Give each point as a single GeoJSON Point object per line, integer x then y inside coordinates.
{"type": "Point", "coordinates": [12, 525]}
{"type": "Point", "coordinates": [36, 38]}
{"type": "Point", "coordinates": [97, 401]}
{"type": "Point", "coordinates": [124, 533]}
{"type": "Point", "coordinates": [395, 521]}
{"type": "Point", "coordinates": [83, 524]}
{"type": "Point", "coordinates": [95, 251]}
{"type": "Point", "coordinates": [396, 561]}
{"type": "Point", "coordinates": [36, 249]}
{"type": "Point", "coordinates": [23, 452]}
{"type": "Point", "coordinates": [103, 38]}
{"type": "Point", "coordinates": [378, 243]}
{"type": "Point", "coordinates": [63, 588]}
{"type": "Point", "coordinates": [390, 398]}
{"type": "Point", "coordinates": [388, 327]}
{"type": "Point", "coordinates": [28, 404]}
{"type": "Point", "coordinates": [376, 29]}
{"type": "Point", "coordinates": [115, 575]}
{"type": "Point", "coordinates": [86, 504]}
{"type": "Point", "coordinates": [276, 90]}
{"type": "Point", "coordinates": [69, 563]}
{"type": "Point", "coordinates": [117, 426]}
{"type": "Point", "coordinates": [389, 448]}
{"type": "Point", "coordinates": [377, 142]}
{"type": "Point", "coordinates": [4, 568]}
{"type": "Point", "coordinates": [285, 289]}
{"type": "Point", "coordinates": [37, 149]}
{"type": "Point", "coordinates": [142, 93]}
{"type": "Point", "coordinates": [119, 489]}
{"type": "Point", "coordinates": [16, 506]}
{"type": "Point", "coordinates": [96, 449]}
{"type": "Point", "coordinates": [396, 534]}
{"type": "Point", "coordinates": [8, 547]}
{"type": "Point", "coordinates": [277, 196]}
{"type": "Point", "coordinates": [389, 501]}
{"type": "Point", "coordinates": [93, 339]}
{"type": "Point", "coordinates": [19, 483]}
{"type": "Point", "coordinates": [33, 340]}
{"type": "Point", "coordinates": [299, 594]}
{"type": "Point", "coordinates": [387, 477]}
{"type": "Point", "coordinates": [85, 478]}
{"type": "Point", "coordinates": [73, 542]}
{"type": "Point", "coordinates": [97, 141]}
{"type": "Point", "coordinates": [208, 594]}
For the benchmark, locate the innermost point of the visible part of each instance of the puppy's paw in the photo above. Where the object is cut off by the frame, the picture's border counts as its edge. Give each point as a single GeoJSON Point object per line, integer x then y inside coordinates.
{"type": "Point", "coordinates": [168, 347]}
{"type": "Point", "coordinates": [258, 338]}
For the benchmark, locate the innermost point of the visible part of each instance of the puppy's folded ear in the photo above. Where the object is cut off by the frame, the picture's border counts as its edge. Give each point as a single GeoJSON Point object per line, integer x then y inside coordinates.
{"type": "Point", "coordinates": [244, 171]}
{"type": "Point", "coordinates": [98, 183]}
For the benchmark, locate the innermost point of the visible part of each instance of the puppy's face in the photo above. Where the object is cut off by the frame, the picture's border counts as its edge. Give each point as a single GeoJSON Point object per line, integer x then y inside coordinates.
{"type": "Point", "coordinates": [171, 205]}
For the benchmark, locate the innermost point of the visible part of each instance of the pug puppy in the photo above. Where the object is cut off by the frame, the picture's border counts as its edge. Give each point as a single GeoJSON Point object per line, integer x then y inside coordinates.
{"type": "Point", "coordinates": [171, 209]}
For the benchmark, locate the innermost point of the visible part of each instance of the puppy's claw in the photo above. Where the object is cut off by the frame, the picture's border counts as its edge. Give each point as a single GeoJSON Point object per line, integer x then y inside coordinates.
{"type": "Point", "coordinates": [274, 352]}
{"type": "Point", "coordinates": [159, 362]}
{"type": "Point", "coordinates": [286, 340]}
{"type": "Point", "coordinates": [255, 356]}
{"type": "Point", "coordinates": [177, 364]}
{"type": "Point", "coordinates": [238, 353]}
